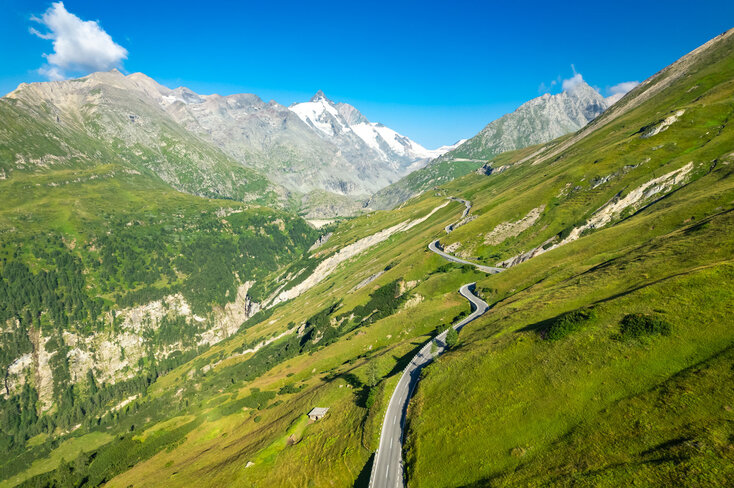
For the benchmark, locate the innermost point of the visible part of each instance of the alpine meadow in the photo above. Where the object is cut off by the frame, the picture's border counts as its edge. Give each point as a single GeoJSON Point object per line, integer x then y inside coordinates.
{"type": "Point", "coordinates": [220, 290]}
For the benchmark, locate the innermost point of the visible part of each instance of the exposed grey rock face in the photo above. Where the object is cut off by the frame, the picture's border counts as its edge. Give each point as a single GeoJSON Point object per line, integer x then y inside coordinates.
{"type": "Point", "coordinates": [540, 120]}
{"type": "Point", "coordinates": [113, 354]}
{"type": "Point", "coordinates": [267, 137]}
{"type": "Point", "coordinates": [320, 241]}
{"type": "Point", "coordinates": [310, 146]}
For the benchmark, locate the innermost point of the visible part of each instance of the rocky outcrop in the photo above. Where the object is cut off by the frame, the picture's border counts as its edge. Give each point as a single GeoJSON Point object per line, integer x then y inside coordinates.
{"type": "Point", "coordinates": [44, 381]}
{"type": "Point", "coordinates": [15, 376]}
{"type": "Point", "coordinates": [505, 230]}
{"type": "Point", "coordinates": [612, 210]}
{"type": "Point", "coordinates": [227, 320]}
{"type": "Point", "coordinates": [136, 319]}
{"type": "Point", "coordinates": [413, 301]}
{"type": "Point", "coordinates": [113, 354]}
{"type": "Point", "coordinates": [634, 200]}
{"type": "Point", "coordinates": [662, 126]}
{"type": "Point", "coordinates": [487, 169]}
{"type": "Point", "coordinates": [453, 247]}
{"type": "Point", "coordinates": [320, 241]}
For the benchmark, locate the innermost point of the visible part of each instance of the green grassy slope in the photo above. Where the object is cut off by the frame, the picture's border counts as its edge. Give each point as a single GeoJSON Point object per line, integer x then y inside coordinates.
{"type": "Point", "coordinates": [225, 428]}
{"type": "Point", "coordinates": [594, 407]}
{"type": "Point", "coordinates": [435, 174]}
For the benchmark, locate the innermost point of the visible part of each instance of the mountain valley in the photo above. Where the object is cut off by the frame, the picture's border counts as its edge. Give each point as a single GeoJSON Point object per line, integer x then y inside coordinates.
{"type": "Point", "coordinates": [184, 278]}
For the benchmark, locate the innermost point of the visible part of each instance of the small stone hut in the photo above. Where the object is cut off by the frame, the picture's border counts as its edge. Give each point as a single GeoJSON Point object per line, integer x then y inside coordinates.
{"type": "Point", "coordinates": [317, 413]}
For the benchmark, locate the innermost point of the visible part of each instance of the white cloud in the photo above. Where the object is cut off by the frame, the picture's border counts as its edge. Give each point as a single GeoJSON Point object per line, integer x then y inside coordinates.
{"type": "Point", "coordinates": [623, 87]}
{"type": "Point", "coordinates": [79, 46]}
{"type": "Point", "coordinates": [571, 83]}
{"type": "Point", "coordinates": [52, 73]}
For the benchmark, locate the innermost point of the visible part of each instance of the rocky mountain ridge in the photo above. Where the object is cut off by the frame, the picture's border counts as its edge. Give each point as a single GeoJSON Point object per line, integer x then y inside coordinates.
{"type": "Point", "coordinates": [347, 127]}
{"type": "Point", "coordinates": [311, 146]}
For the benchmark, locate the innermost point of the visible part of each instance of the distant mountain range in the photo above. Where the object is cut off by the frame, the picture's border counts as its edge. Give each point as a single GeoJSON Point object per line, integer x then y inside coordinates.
{"type": "Point", "coordinates": [316, 145]}
{"type": "Point", "coordinates": [319, 157]}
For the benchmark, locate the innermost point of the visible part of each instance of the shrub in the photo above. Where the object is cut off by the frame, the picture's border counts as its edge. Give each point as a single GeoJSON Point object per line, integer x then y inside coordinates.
{"type": "Point", "coordinates": [383, 302]}
{"type": "Point", "coordinates": [288, 389]}
{"type": "Point", "coordinates": [567, 323]}
{"type": "Point", "coordinates": [372, 374]}
{"type": "Point", "coordinates": [444, 268]}
{"type": "Point", "coordinates": [371, 397]}
{"type": "Point", "coordinates": [636, 325]}
{"type": "Point", "coordinates": [460, 316]}
{"type": "Point", "coordinates": [565, 232]}
{"type": "Point", "coordinates": [452, 337]}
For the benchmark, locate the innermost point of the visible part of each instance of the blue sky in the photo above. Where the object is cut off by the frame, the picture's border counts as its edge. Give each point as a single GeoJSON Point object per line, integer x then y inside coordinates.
{"type": "Point", "coordinates": [435, 71]}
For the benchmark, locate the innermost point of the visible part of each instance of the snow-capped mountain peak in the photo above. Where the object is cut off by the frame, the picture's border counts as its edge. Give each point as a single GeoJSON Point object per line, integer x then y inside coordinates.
{"type": "Point", "coordinates": [321, 114]}
{"type": "Point", "coordinates": [343, 125]}
{"type": "Point", "coordinates": [319, 96]}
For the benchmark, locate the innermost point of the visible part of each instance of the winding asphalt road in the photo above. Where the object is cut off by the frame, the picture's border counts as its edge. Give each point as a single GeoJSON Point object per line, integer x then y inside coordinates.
{"type": "Point", "coordinates": [467, 204]}
{"type": "Point", "coordinates": [487, 269]}
{"type": "Point", "coordinates": [387, 468]}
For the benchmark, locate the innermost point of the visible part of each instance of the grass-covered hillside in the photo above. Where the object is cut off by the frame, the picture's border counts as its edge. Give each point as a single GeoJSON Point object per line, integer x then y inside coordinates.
{"type": "Point", "coordinates": [605, 358]}
{"type": "Point", "coordinates": [254, 388]}
{"type": "Point", "coordinates": [437, 173]}
{"type": "Point", "coordinates": [108, 279]}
